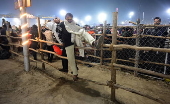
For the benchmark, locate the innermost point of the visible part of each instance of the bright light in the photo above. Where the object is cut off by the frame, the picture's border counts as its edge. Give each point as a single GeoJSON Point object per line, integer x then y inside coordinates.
{"type": "Point", "coordinates": [88, 18]}
{"type": "Point", "coordinates": [23, 35]}
{"type": "Point", "coordinates": [42, 21]}
{"type": "Point", "coordinates": [122, 22]}
{"type": "Point", "coordinates": [23, 26]}
{"type": "Point", "coordinates": [76, 19]}
{"type": "Point", "coordinates": [25, 43]}
{"type": "Point", "coordinates": [20, 8]}
{"type": "Point", "coordinates": [131, 14]}
{"type": "Point", "coordinates": [23, 15]}
{"type": "Point", "coordinates": [82, 23]}
{"type": "Point", "coordinates": [17, 21]}
{"type": "Point", "coordinates": [63, 12]}
{"type": "Point", "coordinates": [102, 17]}
{"type": "Point", "coordinates": [168, 11]}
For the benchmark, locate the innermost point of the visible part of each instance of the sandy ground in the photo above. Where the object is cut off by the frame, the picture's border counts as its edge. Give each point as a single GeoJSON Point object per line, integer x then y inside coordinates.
{"type": "Point", "coordinates": [50, 86]}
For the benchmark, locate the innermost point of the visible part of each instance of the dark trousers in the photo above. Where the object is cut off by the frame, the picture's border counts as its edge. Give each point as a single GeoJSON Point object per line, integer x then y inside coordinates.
{"type": "Point", "coordinates": [50, 56]}
{"type": "Point", "coordinates": [64, 61]}
{"type": "Point", "coordinates": [5, 47]}
{"type": "Point", "coordinates": [34, 46]}
{"type": "Point", "coordinates": [152, 56]}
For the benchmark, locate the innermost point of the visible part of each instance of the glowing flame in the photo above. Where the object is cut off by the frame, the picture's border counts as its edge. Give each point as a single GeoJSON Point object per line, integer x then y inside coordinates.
{"type": "Point", "coordinates": [25, 42]}
{"type": "Point", "coordinates": [23, 15]}
{"type": "Point", "coordinates": [23, 35]}
{"type": "Point", "coordinates": [24, 25]}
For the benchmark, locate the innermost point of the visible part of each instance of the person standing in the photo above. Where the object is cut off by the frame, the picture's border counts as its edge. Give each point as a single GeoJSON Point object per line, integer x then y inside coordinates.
{"type": "Point", "coordinates": [58, 32]}
{"type": "Point", "coordinates": [34, 44]}
{"type": "Point", "coordinates": [68, 31]}
{"type": "Point", "coordinates": [4, 40]}
{"type": "Point", "coordinates": [157, 42]}
{"type": "Point", "coordinates": [49, 37]}
{"type": "Point", "coordinates": [52, 25]}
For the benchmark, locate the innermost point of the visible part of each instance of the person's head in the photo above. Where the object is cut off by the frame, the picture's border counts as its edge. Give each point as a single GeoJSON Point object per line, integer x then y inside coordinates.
{"type": "Point", "coordinates": [88, 28]}
{"type": "Point", "coordinates": [107, 29]}
{"type": "Point", "coordinates": [34, 27]}
{"type": "Point", "coordinates": [48, 20]}
{"type": "Point", "coordinates": [69, 17]}
{"type": "Point", "coordinates": [42, 27]}
{"type": "Point", "coordinates": [157, 20]}
{"type": "Point", "coordinates": [57, 20]}
{"type": "Point", "coordinates": [123, 29]}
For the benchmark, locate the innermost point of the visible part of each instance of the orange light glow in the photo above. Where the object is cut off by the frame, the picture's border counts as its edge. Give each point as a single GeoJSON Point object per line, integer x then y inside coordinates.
{"type": "Point", "coordinates": [24, 25]}
{"type": "Point", "coordinates": [23, 35]}
{"type": "Point", "coordinates": [26, 42]}
{"type": "Point", "coordinates": [20, 8]}
{"type": "Point", "coordinates": [23, 15]}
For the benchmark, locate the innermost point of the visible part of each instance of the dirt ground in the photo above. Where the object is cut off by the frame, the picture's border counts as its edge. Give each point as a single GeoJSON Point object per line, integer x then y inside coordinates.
{"type": "Point", "coordinates": [50, 86]}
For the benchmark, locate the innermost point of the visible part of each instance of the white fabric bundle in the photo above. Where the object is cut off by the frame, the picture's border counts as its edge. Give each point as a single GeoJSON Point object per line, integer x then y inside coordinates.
{"type": "Point", "coordinates": [78, 34]}
{"type": "Point", "coordinates": [77, 30]}
{"type": "Point", "coordinates": [75, 35]}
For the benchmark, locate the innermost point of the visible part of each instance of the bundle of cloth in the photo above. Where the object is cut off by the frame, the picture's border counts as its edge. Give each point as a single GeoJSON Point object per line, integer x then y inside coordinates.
{"type": "Point", "coordinates": [78, 34]}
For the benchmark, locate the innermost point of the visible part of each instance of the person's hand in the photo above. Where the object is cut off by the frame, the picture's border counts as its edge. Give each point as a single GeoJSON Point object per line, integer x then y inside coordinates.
{"type": "Point", "coordinates": [61, 44]}
{"type": "Point", "coordinates": [36, 38]}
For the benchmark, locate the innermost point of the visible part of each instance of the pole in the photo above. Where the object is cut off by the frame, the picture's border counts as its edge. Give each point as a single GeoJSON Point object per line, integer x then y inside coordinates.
{"type": "Point", "coordinates": [113, 69]}
{"type": "Point", "coordinates": [101, 52]}
{"type": "Point", "coordinates": [137, 44]}
{"type": "Point", "coordinates": [24, 38]}
{"type": "Point", "coordinates": [143, 16]}
{"type": "Point", "coordinates": [40, 43]}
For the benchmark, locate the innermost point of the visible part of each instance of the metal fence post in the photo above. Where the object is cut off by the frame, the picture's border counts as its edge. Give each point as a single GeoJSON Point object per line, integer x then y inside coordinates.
{"type": "Point", "coordinates": [25, 38]}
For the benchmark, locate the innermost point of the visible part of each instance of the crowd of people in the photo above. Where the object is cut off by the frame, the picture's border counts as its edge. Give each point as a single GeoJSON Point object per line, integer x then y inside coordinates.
{"type": "Point", "coordinates": [69, 34]}
{"type": "Point", "coordinates": [149, 37]}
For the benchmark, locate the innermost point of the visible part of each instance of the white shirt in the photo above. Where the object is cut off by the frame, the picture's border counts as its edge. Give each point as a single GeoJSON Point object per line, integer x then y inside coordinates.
{"type": "Point", "coordinates": [52, 26]}
{"type": "Point", "coordinates": [49, 37]}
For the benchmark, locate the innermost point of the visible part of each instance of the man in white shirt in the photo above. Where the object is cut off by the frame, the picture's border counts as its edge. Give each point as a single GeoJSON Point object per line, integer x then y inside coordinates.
{"type": "Point", "coordinates": [51, 25]}
{"type": "Point", "coordinates": [49, 37]}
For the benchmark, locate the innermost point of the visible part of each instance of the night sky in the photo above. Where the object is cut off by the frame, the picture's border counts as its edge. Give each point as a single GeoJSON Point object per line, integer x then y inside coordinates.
{"type": "Point", "coordinates": [82, 8]}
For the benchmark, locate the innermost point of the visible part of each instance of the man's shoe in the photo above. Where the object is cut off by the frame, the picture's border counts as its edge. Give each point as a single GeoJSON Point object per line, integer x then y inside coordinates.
{"type": "Point", "coordinates": [63, 70]}
{"type": "Point", "coordinates": [75, 78]}
{"type": "Point", "coordinates": [49, 60]}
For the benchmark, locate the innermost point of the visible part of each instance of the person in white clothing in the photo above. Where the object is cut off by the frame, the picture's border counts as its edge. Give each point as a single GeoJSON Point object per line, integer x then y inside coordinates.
{"type": "Point", "coordinates": [49, 37]}
{"type": "Point", "coordinates": [51, 25]}
{"type": "Point", "coordinates": [69, 30]}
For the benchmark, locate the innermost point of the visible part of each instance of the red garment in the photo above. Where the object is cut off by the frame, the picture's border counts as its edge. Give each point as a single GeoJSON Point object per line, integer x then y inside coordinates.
{"type": "Point", "coordinates": [91, 32]}
{"type": "Point", "coordinates": [57, 50]}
